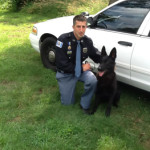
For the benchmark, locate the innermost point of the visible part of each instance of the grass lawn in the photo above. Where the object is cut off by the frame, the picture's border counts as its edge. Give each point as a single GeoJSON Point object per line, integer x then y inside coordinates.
{"type": "Point", "coordinates": [31, 115]}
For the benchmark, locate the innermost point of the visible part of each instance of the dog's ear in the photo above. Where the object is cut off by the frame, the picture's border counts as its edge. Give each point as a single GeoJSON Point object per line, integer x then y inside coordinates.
{"type": "Point", "coordinates": [113, 53]}
{"type": "Point", "coordinates": [103, 51]}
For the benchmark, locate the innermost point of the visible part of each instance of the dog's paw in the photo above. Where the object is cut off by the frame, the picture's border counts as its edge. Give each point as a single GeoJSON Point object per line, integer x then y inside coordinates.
{"type": "Point", "coordinates": [116, 105]}
{"type": "Point", "coordinates": [107, 113]}
{"type": "Point", "coordinates": [92, 112]}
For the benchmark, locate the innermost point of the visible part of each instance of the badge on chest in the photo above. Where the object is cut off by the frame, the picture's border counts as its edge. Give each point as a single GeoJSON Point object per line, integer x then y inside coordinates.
{"type": "Point", "coordinates": [85, 50]}
{"type": "Point", "coordinates": [69, 50]}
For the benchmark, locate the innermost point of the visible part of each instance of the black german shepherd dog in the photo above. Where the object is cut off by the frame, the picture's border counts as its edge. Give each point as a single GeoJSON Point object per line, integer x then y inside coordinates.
{"type": "Point", "coordinates": [107, 90]}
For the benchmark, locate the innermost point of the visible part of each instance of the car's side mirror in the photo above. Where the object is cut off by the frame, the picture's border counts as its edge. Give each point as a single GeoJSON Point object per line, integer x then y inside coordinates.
{"type": "Point", "coordinates": [90, 22]}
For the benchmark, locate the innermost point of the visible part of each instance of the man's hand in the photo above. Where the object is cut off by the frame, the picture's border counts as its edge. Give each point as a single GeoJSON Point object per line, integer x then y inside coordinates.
{"type": "Point", "coordinates": [86, 67]}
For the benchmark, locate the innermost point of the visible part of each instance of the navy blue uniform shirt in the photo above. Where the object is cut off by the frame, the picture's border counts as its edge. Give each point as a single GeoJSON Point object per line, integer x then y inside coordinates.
{"type": "Point", "coordinates": [66, 52]}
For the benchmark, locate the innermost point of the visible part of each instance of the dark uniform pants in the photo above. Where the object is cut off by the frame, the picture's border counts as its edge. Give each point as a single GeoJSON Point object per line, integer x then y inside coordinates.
{"type": "Point", "coordinates": [67, 84]}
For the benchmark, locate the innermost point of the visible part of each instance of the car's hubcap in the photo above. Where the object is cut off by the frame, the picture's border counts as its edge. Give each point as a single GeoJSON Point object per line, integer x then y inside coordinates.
{"type": "Point", "coordinates": [51, 56]}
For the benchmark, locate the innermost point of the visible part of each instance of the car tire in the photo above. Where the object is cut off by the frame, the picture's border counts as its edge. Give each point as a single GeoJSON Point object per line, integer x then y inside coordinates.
{"type": "Point", "coordinates": [47, 52]}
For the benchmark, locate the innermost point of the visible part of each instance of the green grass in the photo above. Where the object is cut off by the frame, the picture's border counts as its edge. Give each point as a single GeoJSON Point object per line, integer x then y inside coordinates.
{"type": "Point", "coordinates": [31, 115]}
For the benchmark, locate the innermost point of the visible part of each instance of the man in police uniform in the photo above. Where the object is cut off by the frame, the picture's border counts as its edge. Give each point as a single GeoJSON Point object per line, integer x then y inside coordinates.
{"type": "Point", "coordinates": [66, 62]}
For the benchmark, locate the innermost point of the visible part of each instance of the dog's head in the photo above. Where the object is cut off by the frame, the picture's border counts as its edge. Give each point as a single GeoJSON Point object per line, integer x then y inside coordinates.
{"type": "Point", "coordinates": [107, 62]}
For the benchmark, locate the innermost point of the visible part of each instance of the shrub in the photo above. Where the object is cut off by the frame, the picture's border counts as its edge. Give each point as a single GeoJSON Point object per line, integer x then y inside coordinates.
{"type": "Point", "coordinates": [13, 5]}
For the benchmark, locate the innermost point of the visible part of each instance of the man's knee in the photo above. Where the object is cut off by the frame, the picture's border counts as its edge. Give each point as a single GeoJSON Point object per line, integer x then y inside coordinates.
{"type": "Point", "coordinates": [92, 81]}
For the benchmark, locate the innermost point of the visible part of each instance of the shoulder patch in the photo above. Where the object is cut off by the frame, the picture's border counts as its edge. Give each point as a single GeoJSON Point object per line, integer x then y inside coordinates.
{"type": "Point", "coordinates": [59, 44]}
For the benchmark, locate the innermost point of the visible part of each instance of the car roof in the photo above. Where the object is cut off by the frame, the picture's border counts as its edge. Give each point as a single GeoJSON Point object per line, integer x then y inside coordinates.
{"type": "Point", "coordinates": [140, 3]}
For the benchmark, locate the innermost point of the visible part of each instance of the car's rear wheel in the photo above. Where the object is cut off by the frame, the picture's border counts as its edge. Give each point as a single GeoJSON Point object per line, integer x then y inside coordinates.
{"type": "Point", "coordinates": [47, 52]}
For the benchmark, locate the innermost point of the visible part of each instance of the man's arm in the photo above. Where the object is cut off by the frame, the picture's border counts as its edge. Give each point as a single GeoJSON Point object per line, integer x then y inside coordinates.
{"type": "Point", "coordinates": [62, 61]}
{"type": "Point", "coordinates": [94, 53]}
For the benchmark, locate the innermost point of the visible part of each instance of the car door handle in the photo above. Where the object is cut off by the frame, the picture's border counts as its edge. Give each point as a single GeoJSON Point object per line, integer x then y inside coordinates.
{"type": "Point", "coordinates": [125, 43]}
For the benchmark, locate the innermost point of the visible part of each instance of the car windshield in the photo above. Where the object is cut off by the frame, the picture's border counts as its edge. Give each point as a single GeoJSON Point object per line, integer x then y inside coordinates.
{"type": "Point", "coordinates": [126, 16]}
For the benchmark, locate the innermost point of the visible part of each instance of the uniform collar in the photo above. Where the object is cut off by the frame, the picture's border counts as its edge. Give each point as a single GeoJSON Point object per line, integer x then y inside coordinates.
{"type": "Point", "coordinates": [74, 38]}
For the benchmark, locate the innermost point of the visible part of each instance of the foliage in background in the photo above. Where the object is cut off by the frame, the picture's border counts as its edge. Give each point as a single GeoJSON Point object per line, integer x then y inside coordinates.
{"type": "Point", "coordinates": [14, 5]}
{"type": "Point", "coordinates": [66, 7]}
{"type": "Point", "coordinates": [62, 7]}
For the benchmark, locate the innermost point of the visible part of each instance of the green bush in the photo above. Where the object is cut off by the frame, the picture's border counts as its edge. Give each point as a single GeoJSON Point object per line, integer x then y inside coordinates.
{"type": "Point", "coordinates": [13, 5]}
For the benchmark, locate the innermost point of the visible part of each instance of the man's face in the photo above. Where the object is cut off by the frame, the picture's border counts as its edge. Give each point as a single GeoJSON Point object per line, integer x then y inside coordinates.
{"type": "Point", "coordinates": [79, 29]}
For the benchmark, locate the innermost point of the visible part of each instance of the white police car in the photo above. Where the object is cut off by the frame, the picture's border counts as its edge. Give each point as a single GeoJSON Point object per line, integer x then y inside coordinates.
{"type": "Point", "coordinates": [124, 24]}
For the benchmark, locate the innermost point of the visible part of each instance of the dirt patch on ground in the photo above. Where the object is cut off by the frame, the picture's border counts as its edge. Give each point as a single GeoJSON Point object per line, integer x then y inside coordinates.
{"type": "Point", "coordinates": [16, 119]}
{"type": "Point", "coordinates": [147, 144]}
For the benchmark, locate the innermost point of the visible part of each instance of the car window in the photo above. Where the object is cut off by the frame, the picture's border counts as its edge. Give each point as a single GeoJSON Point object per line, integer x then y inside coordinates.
{"type": "Point", "coordinates": [126, 16]}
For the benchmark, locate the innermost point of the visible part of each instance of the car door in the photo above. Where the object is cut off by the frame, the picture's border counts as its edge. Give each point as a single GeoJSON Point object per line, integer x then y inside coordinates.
{"type": "Point", "coordinates": [140, 62]}
{"type": "Point", "coordinates": [124, 45]}
{"type": "Point", "coordinates": [119, 26]}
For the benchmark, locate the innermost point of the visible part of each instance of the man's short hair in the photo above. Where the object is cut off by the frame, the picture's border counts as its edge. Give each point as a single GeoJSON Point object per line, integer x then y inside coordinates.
{"type": "Point", "coordinates": [79, 18]}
